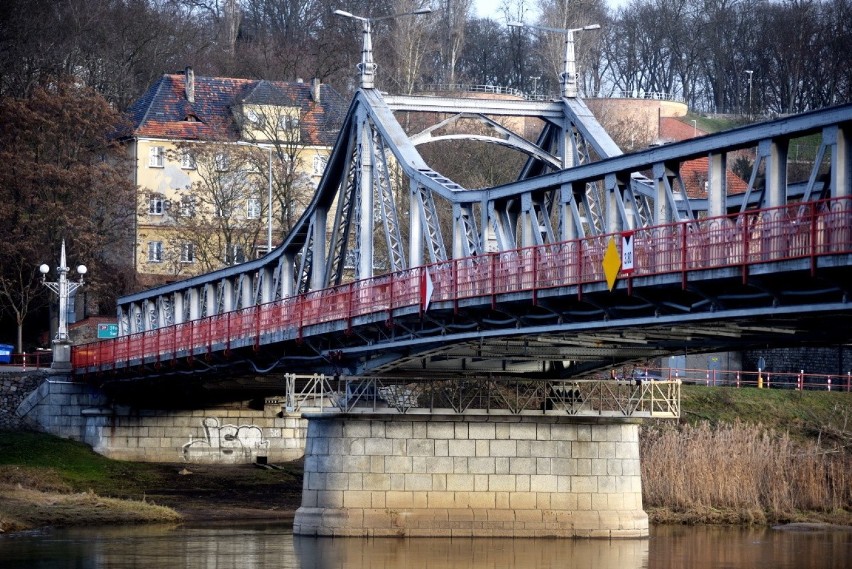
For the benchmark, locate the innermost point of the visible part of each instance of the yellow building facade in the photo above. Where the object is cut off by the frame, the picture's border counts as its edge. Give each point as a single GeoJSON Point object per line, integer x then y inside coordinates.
{"type": "Point", "coordinates": [212, 155]}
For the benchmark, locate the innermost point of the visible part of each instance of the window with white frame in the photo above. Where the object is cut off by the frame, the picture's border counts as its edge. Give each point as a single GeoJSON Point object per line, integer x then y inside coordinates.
{"type": "Point", "coordinates": [156, 205]}
{"type": "Point", "coordinates": [319, 164]}
{"type": "Point", "coordinates": [253, 208]}
{"type": "Point", "coordinates": [187, 160]}
{"type": "Point", "coordinates": [254, 118]}
{"type": "Point", "coordinates": [187, 253]}
{"type": "Point", "coordinates": [155, 251]}
{"type": "Point", "coordinates": [156, 156]}
{"type": "Point", "coordinates": [187, 206]}
{"type": "Point", "coordinates": [223, 210]}
{"type": "Point", "coordinates": [223, 162]}
{"type": "Point", "coordinates": [289, 121]}
{"type": "Point", "coordinates": [237, 255]}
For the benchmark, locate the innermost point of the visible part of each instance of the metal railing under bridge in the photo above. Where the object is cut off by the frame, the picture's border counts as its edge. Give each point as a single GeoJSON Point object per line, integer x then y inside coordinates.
{"type": "Point", "coordinates": [807, 230]}
{"type": "Point", "coordinates": [637, 397]}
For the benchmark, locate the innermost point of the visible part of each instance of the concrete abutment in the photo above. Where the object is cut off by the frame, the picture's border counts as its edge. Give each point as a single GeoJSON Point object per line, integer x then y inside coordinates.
{"type": "Point", "coordinates": [226, 434]}
{"type": "Point", "coordinates": [471, 476]}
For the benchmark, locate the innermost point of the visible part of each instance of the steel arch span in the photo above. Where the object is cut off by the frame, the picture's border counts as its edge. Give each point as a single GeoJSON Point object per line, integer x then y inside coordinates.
{"type": "Point", "coordinates": [510, 279]}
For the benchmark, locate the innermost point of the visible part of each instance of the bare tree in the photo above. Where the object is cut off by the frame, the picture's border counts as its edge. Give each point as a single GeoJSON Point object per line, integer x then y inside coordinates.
{"type": "Point", "coordinates": [65, 177]}
{"type": "Point", "coordinates": [485, 58]}
{"type": "Point", "coordinates": [284, 160]}
{"type": "Point", "coordinates": [453, 17]}
{"type": "Point", "coordinates": [409, 39]}
{"type": "Point", "coordinates": [219, 219]}
{"type": "Point", "coordinates": [520, 50]}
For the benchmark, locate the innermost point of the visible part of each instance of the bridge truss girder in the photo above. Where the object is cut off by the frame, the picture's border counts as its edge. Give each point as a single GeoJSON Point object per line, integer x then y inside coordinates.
{"type": "Point", "coordinates": [376, 179]}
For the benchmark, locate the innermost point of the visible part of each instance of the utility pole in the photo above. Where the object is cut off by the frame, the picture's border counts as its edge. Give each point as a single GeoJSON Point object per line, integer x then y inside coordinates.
{"type": "Point", "coordinates": [750, 74]}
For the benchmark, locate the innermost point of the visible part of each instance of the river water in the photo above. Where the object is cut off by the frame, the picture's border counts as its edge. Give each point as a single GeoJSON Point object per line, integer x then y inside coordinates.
{"type": "Point", "coordinates": [264, 546]}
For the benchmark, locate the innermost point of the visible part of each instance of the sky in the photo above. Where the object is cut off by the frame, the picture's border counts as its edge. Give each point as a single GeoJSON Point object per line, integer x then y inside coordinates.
{"type": "Point", "coordinates": [489, 8]}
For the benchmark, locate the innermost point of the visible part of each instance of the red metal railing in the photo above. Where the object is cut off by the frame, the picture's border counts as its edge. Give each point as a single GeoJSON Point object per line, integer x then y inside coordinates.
{"type": "Point", "coordinates": [796, 231]}
{"type": "Point", "coordinates": [32, 360]}
{"type": "Point", "coordinates": [763, 379]}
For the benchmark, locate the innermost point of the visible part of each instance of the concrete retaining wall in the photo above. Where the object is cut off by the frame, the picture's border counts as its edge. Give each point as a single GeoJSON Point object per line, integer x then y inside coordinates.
{"type": "Point", "coordinates": [820, 360]}
{"type": "Point", "coordinates": [230, 434]}
{"type": "Point", "coordinates": [421, 475]}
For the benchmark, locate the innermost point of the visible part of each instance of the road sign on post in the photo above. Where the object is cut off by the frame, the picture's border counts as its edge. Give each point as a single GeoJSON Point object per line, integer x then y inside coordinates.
{"type": "Point", "coordinates": [627, 252]}
{"type": "Point", "coordinates": [106, 331]}
{"type": "Point", "coordinates": [611, 263]}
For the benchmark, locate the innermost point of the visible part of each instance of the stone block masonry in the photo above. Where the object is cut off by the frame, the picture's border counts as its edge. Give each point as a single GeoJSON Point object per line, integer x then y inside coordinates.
{"type": "Point", "coordinates": [15, 386]}
{"type": "Point", "coordinates": [471, 476]}
{"type": "Point", "coordinates": [230, 434]}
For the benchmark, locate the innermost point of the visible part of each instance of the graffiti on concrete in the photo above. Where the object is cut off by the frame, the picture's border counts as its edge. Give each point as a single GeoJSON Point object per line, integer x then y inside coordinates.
{"type": "Point", "coordinates": [226, 444]}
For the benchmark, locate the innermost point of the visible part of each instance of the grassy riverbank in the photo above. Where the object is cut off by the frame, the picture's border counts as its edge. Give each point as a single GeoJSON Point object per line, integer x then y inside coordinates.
{"type": "Point", "coordinates": [737, 456]}
{"type": "Point", "coordinates": [45, 480]}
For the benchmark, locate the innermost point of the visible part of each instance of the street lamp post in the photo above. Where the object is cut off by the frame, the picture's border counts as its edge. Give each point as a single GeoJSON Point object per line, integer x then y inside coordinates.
{"type": "Point", "coordinates": [694, 128]}
{"type": "Point", "coordinates": [269, 208]}
{"type": "Point", "coordinates": [64, 289]}
{"type": "Point", "coordinates": [569, 73]}
{"type": "Point", "coordinates": [535, 86]}
{"type": "Point", "coordinates": [367, 67]}
{"type": "Point", "coordinates": [750, 74]}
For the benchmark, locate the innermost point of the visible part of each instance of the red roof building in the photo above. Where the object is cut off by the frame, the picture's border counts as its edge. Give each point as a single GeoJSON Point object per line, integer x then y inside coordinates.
{"type": "Point", "coordinates": [694, 172]}
{"type": "Point", "coordinates": [220, 163]}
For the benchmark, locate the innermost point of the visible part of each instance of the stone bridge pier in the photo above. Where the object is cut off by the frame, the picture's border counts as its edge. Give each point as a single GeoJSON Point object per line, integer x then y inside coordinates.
{"type": "Point", "coordinates": [433, 475]}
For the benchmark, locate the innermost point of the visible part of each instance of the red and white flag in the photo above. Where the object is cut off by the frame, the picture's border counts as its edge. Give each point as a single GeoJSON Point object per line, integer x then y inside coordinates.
{"type": "Point", "coordinates": [426, 289]}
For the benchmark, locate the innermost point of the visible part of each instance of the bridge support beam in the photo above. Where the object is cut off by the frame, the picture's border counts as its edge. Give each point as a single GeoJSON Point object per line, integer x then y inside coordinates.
{"type": "Point", "coordinates": [481, 476]}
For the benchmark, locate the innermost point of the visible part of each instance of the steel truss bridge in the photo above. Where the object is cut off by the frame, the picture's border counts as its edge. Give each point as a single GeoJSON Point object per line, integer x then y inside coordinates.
{"type": "Point", "coordinates": [508, 280]}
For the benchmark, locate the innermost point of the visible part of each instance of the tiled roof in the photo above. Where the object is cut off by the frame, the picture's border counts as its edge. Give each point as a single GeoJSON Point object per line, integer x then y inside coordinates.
{"type": "Point", "coordinates": [674, 129]}
{"type": "Point", "coordinates": [164, 111]}
{"type": "Point", "coordinates": [694, 176]}
{"type": "Point", "coordinates": [694, 172]}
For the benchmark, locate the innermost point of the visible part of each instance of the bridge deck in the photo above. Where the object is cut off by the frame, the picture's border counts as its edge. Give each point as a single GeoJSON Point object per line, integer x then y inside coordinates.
{"type": "Point", "coordinates": [768, 241]}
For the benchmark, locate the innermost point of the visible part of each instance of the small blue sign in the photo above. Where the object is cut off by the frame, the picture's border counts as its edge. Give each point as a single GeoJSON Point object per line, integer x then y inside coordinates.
{"type": "Point", "coordinates": [107, 331]}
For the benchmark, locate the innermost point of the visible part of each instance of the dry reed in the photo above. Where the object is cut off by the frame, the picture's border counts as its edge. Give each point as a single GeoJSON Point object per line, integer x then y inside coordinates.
{"type": "Point", "coordinates": [758, 472]}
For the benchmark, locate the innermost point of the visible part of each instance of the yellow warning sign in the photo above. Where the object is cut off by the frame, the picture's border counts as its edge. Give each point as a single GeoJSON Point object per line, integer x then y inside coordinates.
{"type": "Point", "coordinates": [611, 263]}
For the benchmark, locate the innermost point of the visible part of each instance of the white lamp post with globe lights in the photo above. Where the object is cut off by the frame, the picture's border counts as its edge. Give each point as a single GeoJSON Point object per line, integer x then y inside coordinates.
{"type": "Point", "coordinates": [63, 289]}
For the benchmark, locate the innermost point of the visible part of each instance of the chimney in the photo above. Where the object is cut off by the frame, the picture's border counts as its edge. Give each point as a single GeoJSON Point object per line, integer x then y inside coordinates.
{"type": "Point", "coordinates": [190, 84]}
{"type": "Point", "coordinates": [315, 90]}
